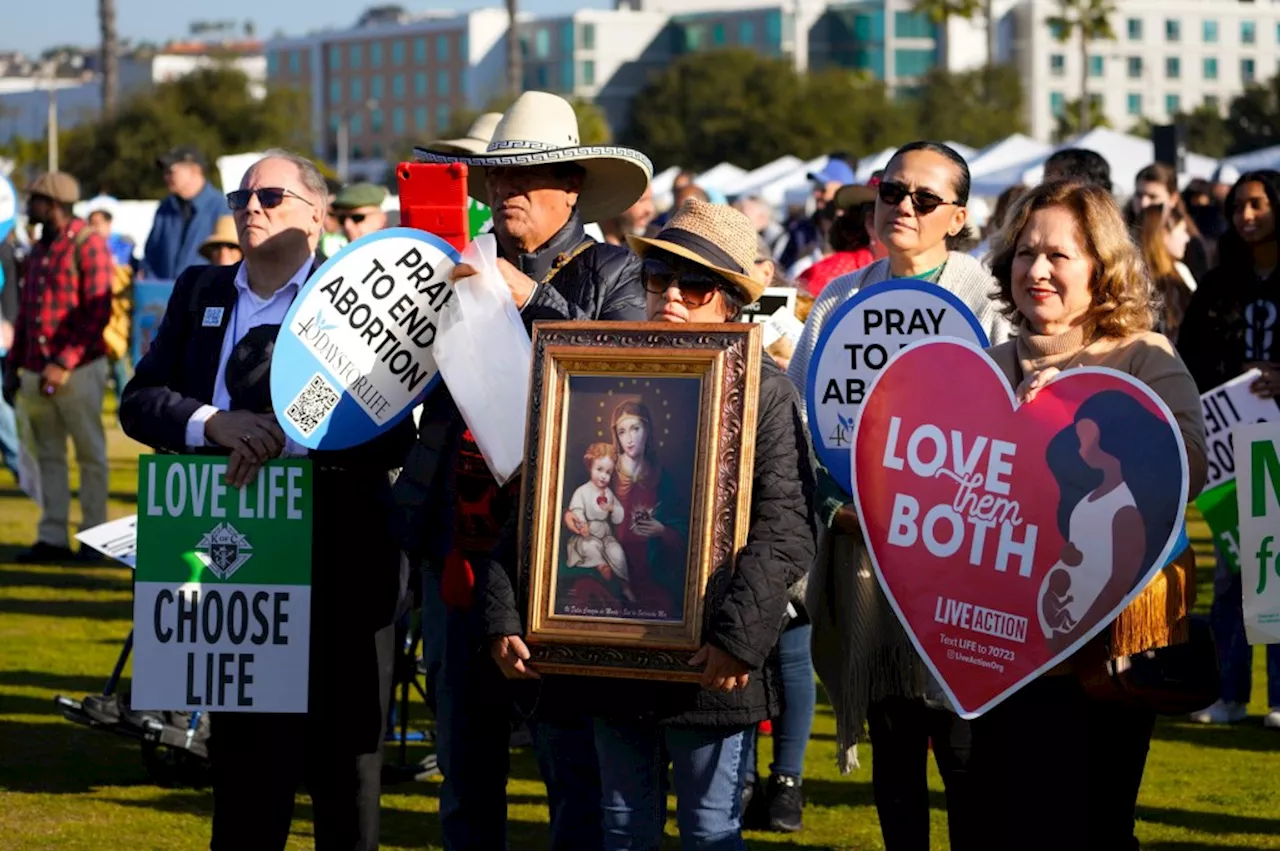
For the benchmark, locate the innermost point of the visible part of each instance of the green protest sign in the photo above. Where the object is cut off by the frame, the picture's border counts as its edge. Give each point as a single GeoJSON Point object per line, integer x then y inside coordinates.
{"type": "Point", "coordinates": [479, 217]}
{"type": "Point", "coordinates": [222, 592]}
{"type": "Point", "coordinates": [1225, 409]}
{"type": "Point", "coordinates": [1258, 450]}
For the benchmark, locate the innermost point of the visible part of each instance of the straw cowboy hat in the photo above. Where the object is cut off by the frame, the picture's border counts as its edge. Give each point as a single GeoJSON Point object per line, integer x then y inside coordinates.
{"type": "Point", "coordinates": [542, 129]}
{"type": "Point", "coordinates": [712, 235]}
{"type": "Point", "coordinates": [224, 233]}
{"type": "Point", "coordinates": [475, 142]}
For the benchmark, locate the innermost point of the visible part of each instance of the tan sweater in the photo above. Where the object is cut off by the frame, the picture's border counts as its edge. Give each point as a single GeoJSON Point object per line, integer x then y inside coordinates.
{"type": "Point", "coordinates": [1157, 618]}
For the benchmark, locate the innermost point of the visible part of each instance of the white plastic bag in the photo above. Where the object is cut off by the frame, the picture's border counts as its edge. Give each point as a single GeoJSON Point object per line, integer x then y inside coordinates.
{"type": "Point", "coordinates": [484, 355]}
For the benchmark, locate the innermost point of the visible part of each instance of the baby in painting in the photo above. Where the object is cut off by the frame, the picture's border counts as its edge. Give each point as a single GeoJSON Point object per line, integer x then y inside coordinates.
{"type": "Point", "coordinates": [594, 510]}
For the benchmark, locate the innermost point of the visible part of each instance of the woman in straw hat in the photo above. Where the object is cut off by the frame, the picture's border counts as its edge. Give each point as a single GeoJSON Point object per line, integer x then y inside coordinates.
{"type": "Point", "coordinates": [542, 185]}
{"type": "Point", "coordinates": [698, 269]}
{"type": "Point", "coordinates": [222, 248]}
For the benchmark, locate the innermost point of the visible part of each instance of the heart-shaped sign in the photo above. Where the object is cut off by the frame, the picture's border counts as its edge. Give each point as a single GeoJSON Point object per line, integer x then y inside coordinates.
{"type": "Point", "coordinates": [1006, 536]}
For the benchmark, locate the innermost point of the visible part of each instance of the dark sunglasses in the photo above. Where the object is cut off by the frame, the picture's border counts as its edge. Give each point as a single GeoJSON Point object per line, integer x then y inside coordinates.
{"type": "Point", "coordinates": [922, 200]}
{"type": "Point", "coordinates": [268, 197]}
{"type": "Point", "coordinates": [343, 218]}
{"type": "Point", "coordinates": [697, 285]}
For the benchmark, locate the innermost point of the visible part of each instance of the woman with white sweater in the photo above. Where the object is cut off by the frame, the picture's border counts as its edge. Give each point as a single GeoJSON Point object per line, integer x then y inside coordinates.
{"type": "Point", "coordinates": [864, 658]}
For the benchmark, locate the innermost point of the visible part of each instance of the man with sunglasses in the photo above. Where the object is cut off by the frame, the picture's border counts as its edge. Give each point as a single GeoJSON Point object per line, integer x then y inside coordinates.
{"type": "Point", "coordinates": [358, 209]}
{"type": "Point", "coordinates": [542, 187]}
{"type": "Point", "coordinates": [203, 386]}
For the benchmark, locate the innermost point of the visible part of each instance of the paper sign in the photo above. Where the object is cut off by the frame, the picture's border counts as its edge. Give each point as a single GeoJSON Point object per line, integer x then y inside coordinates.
{"type": "Point", "coordinates": [857, 341]}
{"type": "Point", "coordinates": [1258, 492]}
{"type": "Point", "coordinates": [354, 355]}
{"type": "Point", "coordinates": [479, 217]}
{"type": "Point", "coordinates": [770, 302]}
{"type": "Point", "coordinates": [117, 539]}
{"type": "Point", "coordinates": [1225, 409]}
{"type": "Point", "coordinates": [1007, 536]}
{"type": "Point", "coordinates": [222, 591]}
{"type": "Point", "coordinates": [782, 325]}
{"type": "Point", "coordinates": [8, 210]}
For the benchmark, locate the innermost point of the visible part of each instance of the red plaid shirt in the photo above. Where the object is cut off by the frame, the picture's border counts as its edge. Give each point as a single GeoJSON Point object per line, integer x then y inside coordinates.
{"type": "Point", "coordinates": [61, 315]}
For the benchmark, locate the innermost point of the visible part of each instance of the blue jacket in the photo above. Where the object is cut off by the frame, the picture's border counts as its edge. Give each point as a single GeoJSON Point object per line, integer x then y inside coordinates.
{"type": "Point", "coordinates": [170, 250]}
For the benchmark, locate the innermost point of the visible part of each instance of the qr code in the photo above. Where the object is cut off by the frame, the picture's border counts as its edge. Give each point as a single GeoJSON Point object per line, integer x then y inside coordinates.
{"type": "Point", "coordinates": [312, 404]}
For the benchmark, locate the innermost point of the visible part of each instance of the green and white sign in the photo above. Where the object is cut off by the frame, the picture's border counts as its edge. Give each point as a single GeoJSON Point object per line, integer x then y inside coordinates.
{"type": "Point", "coordinates": [1258, 483]}
{"type": "Point", "coordinates": [222, 592]}
{"type": "Point", "coordinates": [1226, 408]}
{"type": "Point", "coordinates": [479, 217]}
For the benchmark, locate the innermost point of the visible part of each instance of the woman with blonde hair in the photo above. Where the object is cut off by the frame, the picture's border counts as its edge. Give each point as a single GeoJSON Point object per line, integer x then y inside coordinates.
{"type": "Point", "coordinates": [1080, 294]}
{"type": "Point", "coordinates": [1163, 237]}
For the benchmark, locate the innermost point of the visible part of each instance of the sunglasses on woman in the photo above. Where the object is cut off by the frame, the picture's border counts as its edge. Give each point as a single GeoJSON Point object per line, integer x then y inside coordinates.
{"type": "Point", "coordinates": [697, 285]}
{"type": "Point", "coordinates": [922, 200]}
{"type": "Point", "coordinates": [268, 196]}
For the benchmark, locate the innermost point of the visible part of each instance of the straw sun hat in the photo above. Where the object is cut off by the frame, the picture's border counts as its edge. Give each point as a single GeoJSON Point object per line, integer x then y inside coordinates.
{"type": "Point", "coordinates": [224, 233]}
{"type": "Point", "coordinates": [711, 235]}
{"type": "Point", "coordinates": [542, 129]}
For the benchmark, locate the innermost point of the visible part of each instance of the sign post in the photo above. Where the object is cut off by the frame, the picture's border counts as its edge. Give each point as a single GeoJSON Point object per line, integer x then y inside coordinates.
{"type": "Point", "coordinates": [1258, 493]}
{"type": "Point", "coordinates": [222, 597]}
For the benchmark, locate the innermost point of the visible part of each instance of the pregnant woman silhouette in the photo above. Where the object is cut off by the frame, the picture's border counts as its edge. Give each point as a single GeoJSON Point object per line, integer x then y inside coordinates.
{"type": "Point", "coordinates": [1109, 484]}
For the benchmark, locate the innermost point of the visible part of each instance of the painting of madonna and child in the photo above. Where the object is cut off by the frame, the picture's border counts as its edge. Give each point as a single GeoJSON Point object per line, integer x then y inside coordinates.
{"type": "Point", "coordinates": [626, 493]}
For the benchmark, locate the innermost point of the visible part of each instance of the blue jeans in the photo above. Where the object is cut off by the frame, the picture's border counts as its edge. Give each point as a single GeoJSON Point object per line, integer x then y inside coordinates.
{"type": "Point", "coordinates": [474, 711]}
{"type": "Point", "coordinates": [799, 695]}
{"type": "Point", "coordinates": [1235, 655]}
{"type": "Point", "coordinates": [705, 769]}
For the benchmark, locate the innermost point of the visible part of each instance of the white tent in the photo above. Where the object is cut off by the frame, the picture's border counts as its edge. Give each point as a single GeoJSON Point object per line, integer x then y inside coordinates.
{"type": "Point", "coordinates": [1007, 152]}
{"type": "Point", "coordinates": [750, 182]}
{"type": "Point", "coordinates": [718, 177]}
{"type": "Point", "coordinates": [1254, 160]}
{"type": "Point", "coordinates": [1127, 155]}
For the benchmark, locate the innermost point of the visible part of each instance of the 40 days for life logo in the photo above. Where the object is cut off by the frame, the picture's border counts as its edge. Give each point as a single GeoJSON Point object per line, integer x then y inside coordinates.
{"type": "Point", "coordinates": [1006, 536]}
{"type": "Point", "coordinates": [222, 591]}
{"type": "Point", "coordinates": [354, 355]}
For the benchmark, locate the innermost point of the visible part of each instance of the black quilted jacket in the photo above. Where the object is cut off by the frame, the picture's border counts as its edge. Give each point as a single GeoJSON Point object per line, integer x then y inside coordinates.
{"type": "Point", "coordinates": [745, 609]}
{"type": "Point", "coordinates": [1233, 318]}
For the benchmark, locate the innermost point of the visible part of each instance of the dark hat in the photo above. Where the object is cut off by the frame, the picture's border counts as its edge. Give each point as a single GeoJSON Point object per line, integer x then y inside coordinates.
{"type": "Point", "coordinates": [359, 195]}
{"type": "Point", "coordinates": [181, 154]}
{"type": "Point", "coordinates": [58, 185]}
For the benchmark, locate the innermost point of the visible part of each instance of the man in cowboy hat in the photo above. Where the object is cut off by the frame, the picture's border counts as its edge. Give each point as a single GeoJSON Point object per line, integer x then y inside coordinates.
{"type": "Point", "coordinates": [204, 385]}
{"type": "Point", "coordinates": [542, 185]}
{"type": "Point", "coordinates": [699, 268]}
{"type": "Point", "coordinates": [358, 209]}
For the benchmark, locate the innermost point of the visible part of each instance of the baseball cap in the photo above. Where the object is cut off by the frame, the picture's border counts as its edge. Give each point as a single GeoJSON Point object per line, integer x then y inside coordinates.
{"type": "Point", "coordinates": [181, 154]}
{"type": "Point", "coordinates": [835, 171]}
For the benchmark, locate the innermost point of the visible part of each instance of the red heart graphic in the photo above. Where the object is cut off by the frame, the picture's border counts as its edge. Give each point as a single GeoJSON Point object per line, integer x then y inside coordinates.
{"type": "Point", "coordinates": [1007, 536]}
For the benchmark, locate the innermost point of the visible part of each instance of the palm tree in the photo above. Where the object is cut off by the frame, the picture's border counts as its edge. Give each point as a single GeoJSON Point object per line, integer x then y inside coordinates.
{"type": "Point", "coordinates": [107, 27]}
{"type": "Point", "coordinates": [993, 33]}
{"type": "Point", "coordinates": [1091, 19]}
{"type": "Point", "coordinates": [515, 64]}
{"type": "Point", "coordinates": [939, 13]}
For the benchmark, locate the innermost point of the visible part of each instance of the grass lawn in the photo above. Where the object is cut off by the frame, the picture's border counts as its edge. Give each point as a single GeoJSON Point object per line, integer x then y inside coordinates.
{"type": "Point", "coordinates": [67, 787]}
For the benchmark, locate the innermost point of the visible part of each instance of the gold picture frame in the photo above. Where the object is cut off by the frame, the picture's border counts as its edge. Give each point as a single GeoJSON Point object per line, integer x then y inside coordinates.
{"type": "Point", "coordinates": [623, 520]}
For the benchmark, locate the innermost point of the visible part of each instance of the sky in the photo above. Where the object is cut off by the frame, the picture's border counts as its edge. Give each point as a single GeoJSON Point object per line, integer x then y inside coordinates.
{"type": "Point", "coordinates": [31, 28]}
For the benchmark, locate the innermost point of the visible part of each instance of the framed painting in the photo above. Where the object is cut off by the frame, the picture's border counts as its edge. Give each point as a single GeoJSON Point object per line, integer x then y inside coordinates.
{"type": "Point", "coordinates": [640, 448]}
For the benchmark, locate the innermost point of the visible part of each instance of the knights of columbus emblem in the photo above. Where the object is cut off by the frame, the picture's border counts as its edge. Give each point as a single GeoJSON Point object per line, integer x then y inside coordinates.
{"type": "Point", "coordinates": [224, 550]}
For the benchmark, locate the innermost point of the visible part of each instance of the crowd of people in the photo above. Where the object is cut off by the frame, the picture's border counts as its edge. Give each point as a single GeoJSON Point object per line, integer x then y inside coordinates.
{"type": "Point", "coordinates": [1179, 290]}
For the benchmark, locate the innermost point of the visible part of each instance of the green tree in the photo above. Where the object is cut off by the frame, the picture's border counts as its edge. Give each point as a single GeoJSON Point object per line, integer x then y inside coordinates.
{"type": "Point", "coordinates": [1253, 120]}
{"type": "Point", "coordinates": [1207, 131]}
{"type": "Point", "coordinates": [211, 108]}
{"type": "Point", "coordinates": [1069, 123]}
{"type": "Point", "coordinates": [940, 13]}
{"type": "Point", "coordinates": [975, 107]}
{"type": "Point", "coordinates": [1091, 21]}
{"type": "Point", "coordinates": [737, 105]}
